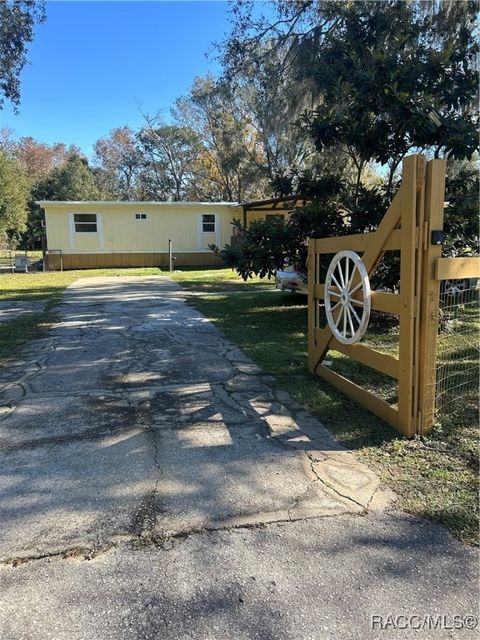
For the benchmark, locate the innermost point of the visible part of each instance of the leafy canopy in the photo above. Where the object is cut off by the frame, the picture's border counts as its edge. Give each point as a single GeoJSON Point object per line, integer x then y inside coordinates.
{"type": "Point", "coordinates": [17, 21]}
{"type": "Point", "coordinates": [383, 79]}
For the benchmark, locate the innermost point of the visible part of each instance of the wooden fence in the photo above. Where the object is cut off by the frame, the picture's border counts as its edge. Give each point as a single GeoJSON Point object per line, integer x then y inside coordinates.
{"type": "Point", "coordinates": [413, 226]}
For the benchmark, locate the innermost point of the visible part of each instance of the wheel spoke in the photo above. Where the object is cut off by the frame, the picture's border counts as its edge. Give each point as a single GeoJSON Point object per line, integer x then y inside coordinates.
{"type": "Point", "coordinates": [350, 306]}
{"type": "Point", "coordinates": [360, 303]}
{"type": "Point", "coordinates": [347, 270]}
{"type": "Point", "coordinates": [334, 307]}
{"type": "Point", "coordinates": [352, 277]}
{"type": "Point", "coordinates": [350, 322]}
{"type": "Point", "coordinates": [334, 293]}
{"type": "Point", "coordinates": [340, 273]}
{"type": "Point", "coordinates": [337, 283]}
{"type": "Point", "coordinates": [344, 323]}
{"type": "Point", "coordinates": [356, 288]}
{"type": "Point", "coordinates": [339, 317]}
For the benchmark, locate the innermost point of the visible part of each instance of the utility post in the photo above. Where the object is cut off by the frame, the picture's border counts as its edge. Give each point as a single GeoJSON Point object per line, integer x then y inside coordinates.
{"type": "Point", "coordinates": [170, 257]}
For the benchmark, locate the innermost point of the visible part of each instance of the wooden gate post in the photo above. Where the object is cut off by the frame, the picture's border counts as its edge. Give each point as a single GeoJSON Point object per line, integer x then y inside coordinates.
{"type": "Point", "coordinates": [411, 220]}
{"type": "Point", "coordinates": [429, 295]}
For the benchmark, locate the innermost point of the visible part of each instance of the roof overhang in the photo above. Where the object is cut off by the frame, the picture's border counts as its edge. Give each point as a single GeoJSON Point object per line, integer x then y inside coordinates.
{"type": "Point", "coordinates": [287, 203]}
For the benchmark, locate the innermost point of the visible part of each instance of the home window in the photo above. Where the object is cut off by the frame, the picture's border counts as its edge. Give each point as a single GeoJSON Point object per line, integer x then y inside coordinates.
{"type": "Point", "coordinates": [208, 223]}
{"type": "Point", "coordinates": [85, 222]}
{"type": "Point", "coordinates": [140, 216]}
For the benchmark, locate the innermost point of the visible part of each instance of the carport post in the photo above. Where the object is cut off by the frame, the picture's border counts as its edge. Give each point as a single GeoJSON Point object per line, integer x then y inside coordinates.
{"type": "Point", "coordinates": [170, 259]}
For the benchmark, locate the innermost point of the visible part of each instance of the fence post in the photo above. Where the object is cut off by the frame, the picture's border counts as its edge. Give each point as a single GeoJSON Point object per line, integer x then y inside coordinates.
{"type": "Point", "coordinates": [312, 302]}
{"type": "Point", "coordinates": [429, 295]}
{"type": "Point", "coordinates": [412, 181]}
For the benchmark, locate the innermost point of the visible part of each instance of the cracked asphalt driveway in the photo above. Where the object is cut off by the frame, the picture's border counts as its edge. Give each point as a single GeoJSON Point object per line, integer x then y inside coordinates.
{"type": "Point", "coordinates": [135, 425]}
{"type": "Point", "coordinates": [136, 417]}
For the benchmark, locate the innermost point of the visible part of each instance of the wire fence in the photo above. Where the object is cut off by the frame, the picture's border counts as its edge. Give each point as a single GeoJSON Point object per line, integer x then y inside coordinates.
{"type": "Point", "coordinates": [20, 261]}
{"type": "Point", "coordinates": [458, 347]}
{"type": "Point", "coordinates": [7, 261]}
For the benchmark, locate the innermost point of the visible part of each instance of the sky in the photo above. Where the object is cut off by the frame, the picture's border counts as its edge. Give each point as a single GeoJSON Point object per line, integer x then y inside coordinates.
{"type": "Point", "coordinates": [95, 66]}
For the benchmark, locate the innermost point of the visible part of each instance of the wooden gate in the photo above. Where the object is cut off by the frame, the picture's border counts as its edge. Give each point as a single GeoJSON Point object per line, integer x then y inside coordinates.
{"type": "Point", "coordinates": [413, 226]}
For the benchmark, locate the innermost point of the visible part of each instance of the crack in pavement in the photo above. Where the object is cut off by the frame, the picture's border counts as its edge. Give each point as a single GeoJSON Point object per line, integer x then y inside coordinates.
{"type": "Point", "coordinates": [167, 542]}
{"type": "Point", "coordinates": [144, 519]}
{"type": "Point", "coordinates": [332, 487]}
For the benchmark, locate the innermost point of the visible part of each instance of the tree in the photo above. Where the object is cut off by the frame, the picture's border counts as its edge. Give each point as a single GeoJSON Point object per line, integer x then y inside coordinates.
{"type": "Point", "coordinates": [39, 159]}
{"type": "Point", "coordinates": [227, 168]}
{"type": "Point", "coordinates": [171, 152]}
{"type": "Point", "coordinates": [270, 102]}
{"type": "Point", "coordinates": [120, 161]}
{"type": "Point", "coordinates": [13, 199]}
{"type": "Point", "coordinates": [393, 78]}
{"type": "Point", "coordinates": [461, 211]}
{"type": "Point", "coordinates": [74, 180]}
{"type": "Point", "coordinates": [384, 79]}
{"type": "Point", "coordinates": [17, 21]}
{"type": "Point", "coordinates": [261, 248]}
{"type": "Point", "coordinates": [8, 142]}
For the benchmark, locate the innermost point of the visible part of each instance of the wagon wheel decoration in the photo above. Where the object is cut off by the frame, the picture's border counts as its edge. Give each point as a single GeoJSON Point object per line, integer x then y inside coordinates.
{"type": "Point", "coordinates": [347, 297]}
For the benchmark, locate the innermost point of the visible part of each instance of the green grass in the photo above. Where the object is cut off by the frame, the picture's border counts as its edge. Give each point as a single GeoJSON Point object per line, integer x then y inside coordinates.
{"type": "Point", "coordinates": [435, 477]}
{"type": "Point", "coordinates": [217, 280]}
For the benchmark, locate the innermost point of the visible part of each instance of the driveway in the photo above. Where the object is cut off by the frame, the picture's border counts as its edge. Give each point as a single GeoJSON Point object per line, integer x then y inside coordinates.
{"type": "Point", "coordinates": [154, 483]}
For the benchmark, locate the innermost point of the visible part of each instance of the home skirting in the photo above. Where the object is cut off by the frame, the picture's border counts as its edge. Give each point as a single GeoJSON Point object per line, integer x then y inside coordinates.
{"type": "Point", "coordinates": [105, 260]}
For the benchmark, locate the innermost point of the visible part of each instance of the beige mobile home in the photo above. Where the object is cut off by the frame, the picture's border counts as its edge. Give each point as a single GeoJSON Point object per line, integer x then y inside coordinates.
{"type": "Point", "coordinates": [130, 234]}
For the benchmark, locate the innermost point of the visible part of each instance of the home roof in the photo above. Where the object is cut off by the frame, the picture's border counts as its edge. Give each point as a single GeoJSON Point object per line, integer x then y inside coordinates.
{"type": "Point", "coordinates": [133, 203]}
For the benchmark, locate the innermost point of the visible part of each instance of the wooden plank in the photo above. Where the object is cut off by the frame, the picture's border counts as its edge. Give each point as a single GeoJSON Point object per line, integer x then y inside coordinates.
{"type": "Point", "coordinates": [374, 252]}
{"type": "Point", "coordinates": [366, 355]}
{"type": "Point", "coordinates": [429, 297]}
{"type": "Point", "coordinates": [381, 300]}
{"type": "Point", "coordinates": [386, 302]}
{"type": "Point", "coordinates": [357, 242]}
{"type": "Point", "coordinates": [457, 268]}
{"type": "Point", "coordinates": [312, 302]}
{"type": "Point", "coordinates": [374, 404]}
{"type": "Point", "coordinates": [419, 242]}
{"type": "Point", "coordinates": [407, 296]}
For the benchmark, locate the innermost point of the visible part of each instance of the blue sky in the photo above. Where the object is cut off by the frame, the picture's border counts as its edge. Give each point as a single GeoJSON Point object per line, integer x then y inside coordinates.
{"type": "Point", "coordinates": [93, 64]}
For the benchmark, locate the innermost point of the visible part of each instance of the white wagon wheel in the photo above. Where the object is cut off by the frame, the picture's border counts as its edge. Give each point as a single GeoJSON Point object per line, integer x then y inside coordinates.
{"type": "Point", "coordinates": [347, 297]}
{"type": "Point", "coordinates": [455, 287]}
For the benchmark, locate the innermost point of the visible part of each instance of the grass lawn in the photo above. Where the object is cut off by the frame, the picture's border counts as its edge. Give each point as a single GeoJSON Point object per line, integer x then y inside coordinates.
{"type": "Point", "coordinates": [436, 477]}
